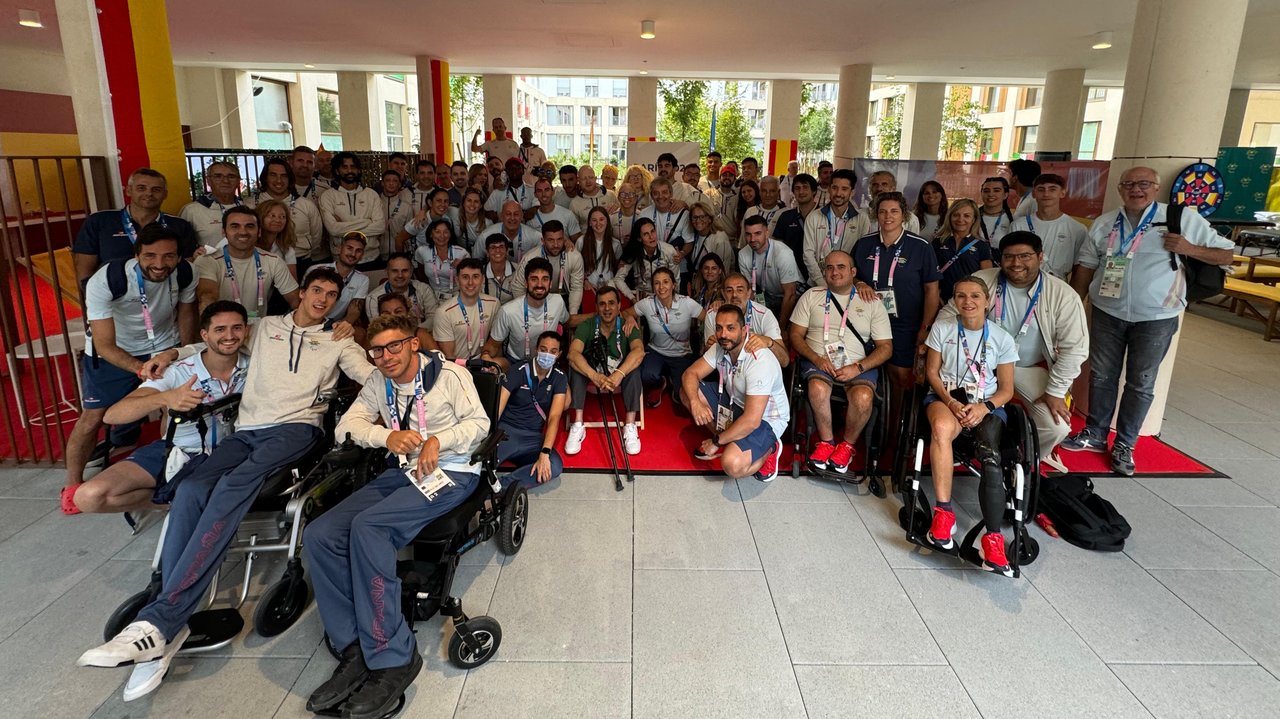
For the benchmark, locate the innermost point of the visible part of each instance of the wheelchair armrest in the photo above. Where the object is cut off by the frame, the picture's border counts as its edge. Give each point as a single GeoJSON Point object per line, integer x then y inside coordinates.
{"type": "Point", "coordinates": [489, 447]}
{"type": "Point", "coordinates": [346, 454]}
{"type": "Point", "coordinates": [483, 366]}
{"type": "Point", "coordinates": [205, 410]}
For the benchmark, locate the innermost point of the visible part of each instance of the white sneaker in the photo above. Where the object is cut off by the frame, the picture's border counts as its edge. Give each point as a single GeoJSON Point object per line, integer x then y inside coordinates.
{"type": "Point", "coordinates": [631, 438]}
{"type": "Point", "coordinates": [138, 642]}
{"type": "Point", "coordinates": [146, 677]}
{"type": "Point", "coordinates": [577, 433]}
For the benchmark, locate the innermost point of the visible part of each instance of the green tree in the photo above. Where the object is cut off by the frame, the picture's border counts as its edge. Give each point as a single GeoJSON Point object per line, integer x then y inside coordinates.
{"type": "Point", "coordinates": [685, 112]}
{"type": "Point", "coordinates": [817, 129]}
{"type": "Point", "coordinates": [466, 105]}
{"type": "Point", "coordinates": [733, 130]}
{"type": "Point", "coordinates": [962, 131]}
{"type": "Point", "coordinates": [329, 120]}
{"type": "Point", "coordinates": [889, 130]}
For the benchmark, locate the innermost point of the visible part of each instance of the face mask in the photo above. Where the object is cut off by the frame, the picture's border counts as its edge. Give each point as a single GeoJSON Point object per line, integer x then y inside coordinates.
{"type": "Point", "coordinates": [546, 360]}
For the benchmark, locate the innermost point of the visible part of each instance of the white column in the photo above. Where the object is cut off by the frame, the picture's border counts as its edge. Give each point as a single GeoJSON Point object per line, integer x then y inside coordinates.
{"type": "Point", "coordinates": [242, 120]}
{"type": "Point", "coordinates": [1233, 125]}
{"type": "Point", "coordinates": [852, 104]}
{"type": "Point", "coordinates": [783, 138]}
{"type": "Point", "coordinates": [499, 101]}
{"type": "Point", "coordinates": [358, 107]}
{"type": "Point", "coordinates": [206, 104]}
{"type": "Point", "coordinates": [306, 129]}
{"type": "Point", "coordinates": [1061, 111]}
{"type": "Point", "coordinates": [922, 121]}
{"type": "Point", "coordinates": [87, 80]}
{"type": "Point", "coordinates": [642, 107]}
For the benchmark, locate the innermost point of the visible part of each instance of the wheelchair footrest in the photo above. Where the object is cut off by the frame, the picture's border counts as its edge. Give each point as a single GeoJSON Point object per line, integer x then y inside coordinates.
{"type": "Point", "coordinates": [337, 711]}
{"type": "Point", "coordinates": [211, 628]}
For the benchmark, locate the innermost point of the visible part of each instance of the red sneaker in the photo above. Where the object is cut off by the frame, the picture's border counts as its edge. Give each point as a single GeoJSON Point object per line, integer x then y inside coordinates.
{"type": "Point", "coordinates": [821, 454]}
{"type": "Point", "coordinates": [993, 559]}
{"type": "Point", "coordinates": [841, 458]}
{"type": "Point", "coordinates": [769, 469]}
{"type": "Point", "coordinates": [943, 529]}
{"type": "Point", "coordinates": [68, 500]}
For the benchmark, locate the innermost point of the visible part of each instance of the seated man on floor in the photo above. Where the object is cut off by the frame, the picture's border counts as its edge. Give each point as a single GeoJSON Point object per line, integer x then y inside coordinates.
{"type": "Point", "coordinates": [426, 413]}
{"type": "Point", "coordinates": [534, 395]}
{"type": "Point", "coordinates": [608, 355]}
{"type": "Point", "coordinates": [295, 360]}
{"type": "Point", "coordinates": [842, 340]}
{"type": "Point", "coordinates": [149, 476]}
{"type": "Point", "coordinates": [746, 410]}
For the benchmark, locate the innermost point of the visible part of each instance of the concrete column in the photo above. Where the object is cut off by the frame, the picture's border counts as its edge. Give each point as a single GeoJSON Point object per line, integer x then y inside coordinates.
{"type": "Point", "coordinates": [306, 129]}
{"type": "Point", "coordinates": [499, 101]}
{"type": "Point", "coordinates": [1158, 89]}
{"type": "Point", "coordinates": [1061, 111]}
{"type": "Point", "coordinates": [642, 107]}
{"type": "Point", "coordinates": [362, 117]}
{"type": "Point", "coordinates": [1233, 125]}
{"type": "Point", "coordinates": [435, 122]}
{"type": "Point", "coordinates": [87, 80]}
{"type": "Point", "coordinates": [922, 121]}
{"type": "Point", "coordinates": [852, 104]}
{"type": "Point", "coordinates": [242, 120]}
{"type": "Point", "coordinates": [206, 104]}
{"type": "Point", "coordinates": [783, 136]}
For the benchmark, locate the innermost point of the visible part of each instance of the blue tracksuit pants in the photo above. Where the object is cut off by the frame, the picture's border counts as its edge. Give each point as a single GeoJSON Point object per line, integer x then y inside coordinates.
{"type": "Point", "coordinates": [522, 448]}
{"type": "Point", "coordinates": [351, 555]}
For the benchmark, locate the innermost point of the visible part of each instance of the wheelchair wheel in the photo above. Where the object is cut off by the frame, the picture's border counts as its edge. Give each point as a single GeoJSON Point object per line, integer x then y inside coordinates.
{"type": "Point", "coordinates": [515, 518]}
{"type": "Point", "coordinates": [922, 521]}
{"type": "Point", "coordinates": [281, 605]}
{"type": "Point", "coordinates": [1030, 549]}
{"type": "Point", "coordinates": [487, 632]}
{"type": "Point", "coordinates": [125, 614]}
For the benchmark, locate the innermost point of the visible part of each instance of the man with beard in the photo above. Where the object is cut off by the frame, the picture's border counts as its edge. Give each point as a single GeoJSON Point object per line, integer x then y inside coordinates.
{"type": "Point", "coordinates": [276, 182]}
{"type": "Point", "coordinates": [424, 176]}
{"type": "Point", "coordinates": [771, 267]}
{"type": "Point", "coordinates": [833, 227]}
{"type": "Point", "coordinates": [352, 207]}
{"type": "Point", "coordinates": [530, 154]}
{"type": "Point", "coordinates": [458, 182]}
{"type": "Point", "coordinates": [567, 271]}
{"type": "Point", "coordinates": [791, 224]}
{"type": "Point", "coordinates": [568, 189]}
{"type": "Point", "coordinates": [514, 337]}
{"type": "Point", "coordinates": [515, 191]}
{"type": "Point", "coordinates": [305, 182]}
{"type": "Point", "coordinates": [623, 351]}
{"type": "Point", "coordinates": [240, 271]}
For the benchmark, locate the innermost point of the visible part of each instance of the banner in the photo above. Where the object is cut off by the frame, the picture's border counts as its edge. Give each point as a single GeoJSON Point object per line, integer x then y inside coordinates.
{"type": "Point", "coordinates": [646, 153]}
{"type": "Point", "coordinates": [1087, 181]}
{"type": "Point", "coordinates": [1246, 174]}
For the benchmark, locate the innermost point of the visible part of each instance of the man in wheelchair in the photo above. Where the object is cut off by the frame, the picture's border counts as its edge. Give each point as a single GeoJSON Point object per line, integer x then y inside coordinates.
{"type": "Point", "coordinates": [969, 369]}
{"type": "Point", "coordinates": [431, 422]}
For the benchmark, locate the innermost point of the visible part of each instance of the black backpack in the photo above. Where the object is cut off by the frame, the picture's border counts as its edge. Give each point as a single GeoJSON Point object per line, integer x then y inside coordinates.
{"type": "Point", "coordinates": [119, 284]}
{"type": "Point", "coordinates": [1082, 517]}
{"type": "Point", "coordinates": [1203, 280]}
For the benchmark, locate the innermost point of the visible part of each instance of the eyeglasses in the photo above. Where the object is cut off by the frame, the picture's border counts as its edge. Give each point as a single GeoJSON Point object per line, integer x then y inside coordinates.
{"type": "Point", "coordinates": [376, 351]}
{"type": "Point", "coordinates": [1020, 257]}
{"type": "Point", "coordinates": [627, 195]}
{"type": "Point", "coordinates": [1140, 184]}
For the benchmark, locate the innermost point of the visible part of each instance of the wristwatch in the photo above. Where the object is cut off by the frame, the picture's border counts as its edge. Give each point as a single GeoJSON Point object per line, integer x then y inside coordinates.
{"type": "Point", "coordinates": [546, 451]}
{"type": "Point", "coordinates": [991, 406]}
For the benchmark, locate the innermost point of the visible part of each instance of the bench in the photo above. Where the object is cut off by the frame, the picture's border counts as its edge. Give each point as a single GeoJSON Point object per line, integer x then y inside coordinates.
{"type": "Point", "coordinates": [1246, 294]}
{"type": "Point", "coordinates": [1256, 269]}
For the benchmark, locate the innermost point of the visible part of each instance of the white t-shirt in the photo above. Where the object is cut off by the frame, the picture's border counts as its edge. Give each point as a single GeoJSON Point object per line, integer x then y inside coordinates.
{"type": "Point", "coordinates": [241, 282]}
{"type": "Point", "coordinates": [998, 349]}
{"type": "Point", "coordinates": [1062, 240]}
{"type": "Point", "coordinates": [187, 436]}
{"type": "Point", "coordinates": [670, 225]}
{"type": "Point", "coordinates": [602, 273]}
{"type": "Point", "coordinates": [522, 194]}
{"type": "Point", "coordinates": [533, 157]}
{"type": "Point", "coordinates": [760, 321]}
{"type": "Point", "coordinates": [824, 325]}
{"type": "Point", "coordinates": [582, 205]}
{"type": "Point", "coordinates": [768, 271]}
{"type": "Point", "coordinates": [503, 147]}
{"type": "Point", "coordinates": [290, 256]}
{"type": "Point", "coordinates": [355, 286]}
{"type": "Point", "coordinates": [669, 328]}
{"type": "Point", "coordinates": [754, 374]}
{"type": "Point", "coordinates": [994, 227]}
{"type": "Point", "coordinates": [205, 216]}
{"type": "Point", "coordinates": [131, 329]}
{"type": "Point", "coordinates": [1014, 302]}
{"type": "Point", "coordinates": [441, 273]}
{"type": "Point", "coordinates": [929, 225]}
{"type": "Point", "coordinates": [520, 338]}
{"type": "Point", "coordinates": [527, 238]}
{"type": "Point", "coordinates": [566, 218]}
{"type": "Point", "coordinates": [422, 301]}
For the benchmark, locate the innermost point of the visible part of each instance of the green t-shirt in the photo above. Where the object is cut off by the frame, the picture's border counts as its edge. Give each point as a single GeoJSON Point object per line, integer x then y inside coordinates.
{"type": "Point", "coordinates": [618, 346]}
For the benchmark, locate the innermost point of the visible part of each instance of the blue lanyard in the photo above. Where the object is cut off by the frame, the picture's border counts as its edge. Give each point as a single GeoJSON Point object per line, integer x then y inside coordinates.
{"type": "Point", "coordinates": [657, 309]}
{"type": "Point", "coordinates": [563, 252]}
{"type": "Point", "coordinates": [968, 245]}
{"type": "Point", "coordinates": [978, 368]}
{"type": "Point", "coordinates": [831, 225]}
{"type": "Point", "coordinates": [998, 309]}
{"type": "Point", "coordinates": [1126, 242]}
{"type": "Point", "coordinates": [235, 286]}
{"type": "Point", "coordinates": [146, 306]}
{"type": "Point", "coordinates": [417, 398]}
{"type": "Point", "coordinates": [533, 395]}
{"type": "Point", "coordinates": [617, 333]}
{"type": "Point", "coordinates": [545, 313]}
{"type": "Point", "coordinates": [130, 232]}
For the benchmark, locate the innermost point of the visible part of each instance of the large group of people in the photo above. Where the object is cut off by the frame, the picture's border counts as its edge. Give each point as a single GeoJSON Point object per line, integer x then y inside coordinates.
{"type": "Point", "coordinates": [697, 287]}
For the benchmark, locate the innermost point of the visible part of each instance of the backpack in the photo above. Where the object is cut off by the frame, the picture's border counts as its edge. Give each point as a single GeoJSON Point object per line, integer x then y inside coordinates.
{"type": "Point", "coordinates": [1082, 517]}
{"type": "Point", "coordinates": [1203, 280]}
{"type": "Point", "coordinates": [119, 284]}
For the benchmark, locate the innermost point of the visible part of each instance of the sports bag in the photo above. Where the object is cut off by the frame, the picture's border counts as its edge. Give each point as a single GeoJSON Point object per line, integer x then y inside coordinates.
{"type": "Point", "coordinates": [1083, 518]}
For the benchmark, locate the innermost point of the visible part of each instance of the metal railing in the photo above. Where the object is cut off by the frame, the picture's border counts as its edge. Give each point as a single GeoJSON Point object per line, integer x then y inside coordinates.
{"type": "Point", "coordinates": [251, 162]}
{"type": "Point", "coordinates": [43, 200]}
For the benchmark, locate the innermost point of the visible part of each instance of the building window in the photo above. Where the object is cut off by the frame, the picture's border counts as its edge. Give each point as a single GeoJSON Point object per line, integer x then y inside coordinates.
{"type": "Point", "coordinates": [1088, 141]}
{"type": "Point", "coordinates": [590, 114]}
{"type": "Point", "coordinates": [559, 144]}
{"type": "Point", "coordinates": [619, 88]}
{"type": "Point", "coordinates": [992, 99]}
{"type": "Point", "coordinates": [756, 118]}
{"type": "Point", "coordinates": [592, 87]}
{"type": "Point", "coordinates": [1024, 140]}
{"type": "Point", "coordinates": [395, 127]}
{"type": "Point", "coordinates": [990, 146]}
{"type": "Point", "coordinates": [873, 112]}
{"type": "Point", "coordinates": [272, 109]}
{"type": "Point", "coordinates": [589, 143]}
{"type": "Point", "coordinates": [1097, 94]}
{"type": "Point", "coordinates": [1031, 97]}
{"type": "Point", "coordinates": [330, 121]}
{"type": "Point", "coordinates": [559, 114]}
{"type": "Point", "coordinates": [618, 149]}
{"type": "Point", "coordinates": [1265, 134]}
{"type": "Point", "coordinates": [618, 116]}
{"type": "Point", "coordinates": [562, 87]}
{"type": "Point", "coordinates": [758, 90]}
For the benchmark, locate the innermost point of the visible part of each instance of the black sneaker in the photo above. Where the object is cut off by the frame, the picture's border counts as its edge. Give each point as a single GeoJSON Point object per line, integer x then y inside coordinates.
{"type": "Point", "coordinates": [1122, 459]}
{"type": "Point", "coordinates": [1084, 441]}
{"type": "Point", "coordinates": [345, 679]}
{"type": "Point", "coordinates": [382, 689]}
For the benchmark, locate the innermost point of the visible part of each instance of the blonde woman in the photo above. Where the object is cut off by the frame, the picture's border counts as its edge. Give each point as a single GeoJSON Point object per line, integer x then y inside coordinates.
{"type": "Point", "coordinates": [958, 249]}
{"type": "Point", "coordinates": [277, 236]}
{"type": "Point", "coordinates": [639, 177]}
{"type": "Point", "coordinates": [609, 178]}
{"type": "Point", "coordinates": [627, 212]}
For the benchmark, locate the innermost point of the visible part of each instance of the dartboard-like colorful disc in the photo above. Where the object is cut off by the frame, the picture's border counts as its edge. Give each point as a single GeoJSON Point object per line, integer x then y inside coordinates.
{"type": "Point", "coordinates": [1200, 186]}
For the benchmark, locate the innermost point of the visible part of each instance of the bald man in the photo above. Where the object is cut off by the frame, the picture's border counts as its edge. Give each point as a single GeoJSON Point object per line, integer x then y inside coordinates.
{"type": "Point", "coordinates": [591, 195]}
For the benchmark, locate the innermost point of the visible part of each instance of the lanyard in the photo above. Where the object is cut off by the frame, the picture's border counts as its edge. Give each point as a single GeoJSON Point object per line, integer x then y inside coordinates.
{"type": "Point", "coordinates": [835, 227]}
{"type": "Point", "coordinates": [998, 310]}
{"type": "Point", "coordinates": [235, 385]}
{"type": "Point", "coordinates": [977, 368]}
{"type": "Point", "coordinates": [533, 395]}
{"type": "Point", "coordinates": [235, 286]}
{"type": "Point", "coordinates": [417, 399]}
{"type": "Point", "coordinates": [967, 246]}
{"type": "Point", "coordinates": [617, 333]}
{"type": "Point", "coordinates": [665, 223]}
{"type": "Point", "coordinates": [448, 263]}
{"type": "Point", "coordinates": [392, 213]}
{"type": "Point", "coordinates": [727, 371]}
{"type": "Point", "coordinates": [1128, 244]}
{"type": "Point", "coordinates": [657, 310]}
{"type": "Point", "coordinates": [750, 315]}
{"type": "Point", "coordinates": [129, 230]}
{"type": "Point", "coordinates": [480, 311]}
{"type": "Point", "coordinates": [893, 265]}
{"type": "Point", "coordinates": [768, 218]}
{"type": "Point", "coordinates": [412, 296]}
{"type": "Point", "coordinates": [146, 306]}
{"type": "Point", "coordinates": [996, 228]}
{"type": "Point", "coordinates": [563, 279]}
{"type": "Point", "coordinates": [767, 246]}
{"type": "Point", "coordinates": [826, 315]}
{"type": "Point", "coordinates": [499, 290]}
{"type": "Point", "coordinates": [544, 323]}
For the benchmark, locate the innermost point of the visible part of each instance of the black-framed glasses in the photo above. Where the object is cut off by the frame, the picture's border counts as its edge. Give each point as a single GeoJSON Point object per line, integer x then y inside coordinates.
{"type": "Point", "coordinates": [1140, 184]}
{"type": "Point", "coordinates": [1020, 257]}
{"type": "Point", "coordinates": [376, 351]}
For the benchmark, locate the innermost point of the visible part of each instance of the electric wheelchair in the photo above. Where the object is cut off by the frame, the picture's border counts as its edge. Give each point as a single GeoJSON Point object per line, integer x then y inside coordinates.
{"type": "Point", "coordinates": [287, 500]}
{"type": "Point", "coordinates": [872, 441]}
{"type": "Point", "coordinates": [1020, 466]}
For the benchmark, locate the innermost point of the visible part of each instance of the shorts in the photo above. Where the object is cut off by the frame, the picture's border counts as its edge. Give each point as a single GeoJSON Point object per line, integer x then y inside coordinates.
{"type": "Point", "coordinates": [999, 412]}
{"type": "Point", "coordinates": [152, 458]}
{"type": "Point", "coordinates": [904, 349]}
{"type": "Point", "coordinates": [809, 370]}
{"type": "Point", "coordinates": [759, 443]}
{"type": "Point", "coordinates": [105, 384]}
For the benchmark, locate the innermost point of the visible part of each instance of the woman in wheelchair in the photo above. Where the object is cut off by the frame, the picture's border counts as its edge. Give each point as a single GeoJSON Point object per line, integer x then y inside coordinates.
{"type": "Point", "coordinates": [431, 420]}
{"type": "Point", "coordinates": [534, 395]}
{"type": "Point", "coordinates": [970, 373]}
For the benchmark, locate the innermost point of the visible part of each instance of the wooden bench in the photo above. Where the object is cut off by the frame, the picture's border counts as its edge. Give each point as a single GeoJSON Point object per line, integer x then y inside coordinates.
{"type": "Point", "coordinates": [1246, 294]}
{"type": "Point", "coordinates": [1256, 269]}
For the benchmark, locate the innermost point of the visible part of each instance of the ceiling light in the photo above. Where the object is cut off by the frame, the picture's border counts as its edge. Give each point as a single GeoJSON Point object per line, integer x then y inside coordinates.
{"type": "Point", "coordinates": [644, 72]}
{"type": "Point", "coordinates": [309, 66]}
{"type": "Point", "coordinates": [646, 30]}
{"type": "Point", "coordinates": [891, 78]}
{"type": "Point", "coordinates": [29, 18]}
{"type": "Point", "coordinates": [1102, 40]}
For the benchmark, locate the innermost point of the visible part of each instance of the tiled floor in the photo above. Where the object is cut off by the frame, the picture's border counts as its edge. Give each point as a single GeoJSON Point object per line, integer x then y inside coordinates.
{"type": "Point", "coordinates": [685, 597]}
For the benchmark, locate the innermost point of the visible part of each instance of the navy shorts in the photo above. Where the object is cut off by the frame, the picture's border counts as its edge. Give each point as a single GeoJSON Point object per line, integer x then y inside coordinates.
{"type": "Point", "coordinates": [999, 412]}
{"type": "Point", "coordinates": [904, 348]}
{"type": "Point", "coordinates": [105, 384]}
{"type": "Point", "coordinates": [152, 458]}
{"type": "Point", "coordinates": [809, 370]}
{"type": "Point", "coordinates": [759, 443]}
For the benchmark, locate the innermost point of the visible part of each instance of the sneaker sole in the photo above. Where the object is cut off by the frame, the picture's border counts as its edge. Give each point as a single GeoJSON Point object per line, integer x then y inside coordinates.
{"type": "Point", "coordinates": [1086, 448]}
{"type": "Point", "coordinates": [87, 661]}
{"type": "Point", "coordinates": [777, 454]}
{"type": "Point", "coordinates": [170, 651]}
{"type": "Point", "coordinates": [1005, 571]}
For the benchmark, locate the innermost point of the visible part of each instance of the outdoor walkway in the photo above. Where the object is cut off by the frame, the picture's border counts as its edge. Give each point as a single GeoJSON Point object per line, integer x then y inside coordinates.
{"type": "Point", "coordinates": [684, 597]}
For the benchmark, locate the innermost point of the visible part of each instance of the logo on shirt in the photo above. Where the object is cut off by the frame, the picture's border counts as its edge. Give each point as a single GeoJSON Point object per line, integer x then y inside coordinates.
{"type": "Point", "coordinates": [276, 337]}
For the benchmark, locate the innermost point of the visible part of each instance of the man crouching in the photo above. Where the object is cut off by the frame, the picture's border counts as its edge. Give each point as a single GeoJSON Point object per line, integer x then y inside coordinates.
{"type": "Point", "coordinates": [432, 420]}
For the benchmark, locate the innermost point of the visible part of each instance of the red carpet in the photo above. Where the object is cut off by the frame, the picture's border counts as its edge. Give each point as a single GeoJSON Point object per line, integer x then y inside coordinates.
{"type": "Point", "coordinates": [668, 442]}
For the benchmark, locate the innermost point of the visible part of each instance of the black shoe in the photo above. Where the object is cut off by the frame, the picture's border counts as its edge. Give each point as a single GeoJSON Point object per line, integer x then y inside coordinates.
{"type": "Point", "coordinates": [1122, 459]}
{"type": "Point", "coordinates": [382, 689]}
{"type": "Point", "coordinates": [345, 679]}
